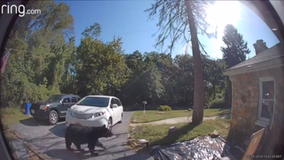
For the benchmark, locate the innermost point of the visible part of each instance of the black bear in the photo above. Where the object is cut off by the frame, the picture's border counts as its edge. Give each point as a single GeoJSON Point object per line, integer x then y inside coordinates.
{"type": "Point", "coordinates": [85, 135]}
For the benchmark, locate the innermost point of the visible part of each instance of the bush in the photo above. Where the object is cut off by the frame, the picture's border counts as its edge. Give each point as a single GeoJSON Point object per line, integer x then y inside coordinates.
{"type": "Point", "coordinates": [220, 95]}
{"type": "Point", "coordinates": [218, 103]}
{"type": "Point", "coordinates": [164, 108]}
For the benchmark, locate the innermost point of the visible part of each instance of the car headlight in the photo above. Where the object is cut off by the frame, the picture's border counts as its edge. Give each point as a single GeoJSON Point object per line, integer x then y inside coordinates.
{"type": "Point", "coordinates": [69, 111]}
{"type": "Point", "coordinates": [99, 114]}
{"type": "Point", "coordinates": [44, 107]}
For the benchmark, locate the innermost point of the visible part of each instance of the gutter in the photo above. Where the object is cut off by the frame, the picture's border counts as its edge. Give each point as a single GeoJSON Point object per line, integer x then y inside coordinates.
{"type": "Point", "coordinates": [256, 67]}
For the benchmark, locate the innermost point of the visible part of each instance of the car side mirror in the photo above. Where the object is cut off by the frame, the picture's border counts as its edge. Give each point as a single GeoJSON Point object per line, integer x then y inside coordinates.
{"type": "Point", "coordinates": [114, 106]}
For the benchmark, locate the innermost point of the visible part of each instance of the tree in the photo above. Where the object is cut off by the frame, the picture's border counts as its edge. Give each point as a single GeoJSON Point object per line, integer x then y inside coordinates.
{"type": "Point", "coordinates": [151, 82]}
{"type": "Point", "coordinates": [184, 80]}
{"type": "Point", "coordinates": [45, 61]}
{"type": "Point", "coordinates": [176, 18]}
{"type": "Point", "coordinates": [39, 41]}
{"type": "Point", "coordinates": [213, 76]}
{"type": "Point", "coordinates": [234, 52]}
{"type": "Point", "coordinates": [101, 68]}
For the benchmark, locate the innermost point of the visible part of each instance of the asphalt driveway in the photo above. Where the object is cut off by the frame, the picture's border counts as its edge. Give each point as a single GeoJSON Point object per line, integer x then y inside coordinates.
{"type": "Point", "coordinates": [50, 141]}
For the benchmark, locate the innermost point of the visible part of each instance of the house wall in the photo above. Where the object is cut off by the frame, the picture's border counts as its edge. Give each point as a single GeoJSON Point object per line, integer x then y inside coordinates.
{"type": "Point", "coordinates": [245, 93]}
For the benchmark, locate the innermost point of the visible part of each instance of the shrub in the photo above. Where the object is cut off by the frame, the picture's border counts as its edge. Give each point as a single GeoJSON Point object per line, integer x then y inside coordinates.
{"type": "Point", "coordinates": [164, 108]}
{"type": "Point", "coordinates": [219, 95]}
{"type": "Point", "coordinates": [218, 103]}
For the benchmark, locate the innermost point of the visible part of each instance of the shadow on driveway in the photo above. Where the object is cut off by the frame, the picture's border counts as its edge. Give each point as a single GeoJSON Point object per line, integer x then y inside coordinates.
{"type": "Point", "coordinates": [58, 130]}
{"type": "Point", "coordinates": [32, 122]}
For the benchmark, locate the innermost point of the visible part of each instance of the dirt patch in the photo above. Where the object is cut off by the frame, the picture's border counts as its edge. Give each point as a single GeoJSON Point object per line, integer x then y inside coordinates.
{"type": "Point", "coordinates": [132, 142]}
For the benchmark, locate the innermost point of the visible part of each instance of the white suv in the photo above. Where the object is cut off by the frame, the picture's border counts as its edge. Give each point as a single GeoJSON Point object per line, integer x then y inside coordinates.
{"type": "Point", "coordinates": [95, 111]}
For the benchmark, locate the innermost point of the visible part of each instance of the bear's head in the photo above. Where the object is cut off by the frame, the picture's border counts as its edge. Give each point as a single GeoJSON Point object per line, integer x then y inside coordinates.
{"type": "Point", "coordinates": [104, 132]}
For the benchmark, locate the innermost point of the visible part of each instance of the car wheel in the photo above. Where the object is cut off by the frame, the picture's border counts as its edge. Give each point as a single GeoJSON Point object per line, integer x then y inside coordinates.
{"type": "Point", "coordinates": [53, 117]}
{"type": "Point", "coordinates": [109, 125]}
{"type": "Point", "coordinates": [121, 118]}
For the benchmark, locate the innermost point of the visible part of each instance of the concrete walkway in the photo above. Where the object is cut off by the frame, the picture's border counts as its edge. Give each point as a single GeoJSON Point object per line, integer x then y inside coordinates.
{"type": "Point", "coordinates": [179, 120]}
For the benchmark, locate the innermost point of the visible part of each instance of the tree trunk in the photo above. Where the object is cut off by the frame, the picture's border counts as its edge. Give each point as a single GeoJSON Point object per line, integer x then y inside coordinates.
{"type": "Point", "coordinates": [198, 102]}
{"type": "Point", "coordinates": [214, 91]}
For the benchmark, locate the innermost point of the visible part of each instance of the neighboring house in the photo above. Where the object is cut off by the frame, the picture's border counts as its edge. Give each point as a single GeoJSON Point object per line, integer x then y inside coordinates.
{"type": "Point", "coordinates": [258, 96]}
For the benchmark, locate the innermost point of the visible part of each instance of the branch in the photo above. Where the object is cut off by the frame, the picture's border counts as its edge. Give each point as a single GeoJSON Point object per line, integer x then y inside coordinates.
{"type": "Point", "coordinates": [202, 47]}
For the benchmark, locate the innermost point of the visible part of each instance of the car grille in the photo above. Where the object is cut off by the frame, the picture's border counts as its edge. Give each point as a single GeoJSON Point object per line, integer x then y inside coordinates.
{"type": "Point", "coordinates": [82, 116]}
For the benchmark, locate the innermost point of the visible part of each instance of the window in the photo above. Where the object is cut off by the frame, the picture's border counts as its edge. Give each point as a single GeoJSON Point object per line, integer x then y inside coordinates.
{"type": "Point", "coordinates": [266, 101]}
{"type": "Point", "coordinates": [117, 101]}
{"type": "Point", "coordinates": [113, 101]}
{"type": "Point", "coordinates": [66, 100]}
{"type": "Point", "coordinates": [54, 98]}
{"type": "Point", "coordinates": [74, 99]}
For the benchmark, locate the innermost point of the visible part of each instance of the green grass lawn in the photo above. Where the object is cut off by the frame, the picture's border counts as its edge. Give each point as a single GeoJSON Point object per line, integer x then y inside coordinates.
{"type": "Point", "coordinates": [11, 116]}
{"type": "Point", "coordinates": [157, 135]}
{"type": "Point", "coordinates": [155, 115]}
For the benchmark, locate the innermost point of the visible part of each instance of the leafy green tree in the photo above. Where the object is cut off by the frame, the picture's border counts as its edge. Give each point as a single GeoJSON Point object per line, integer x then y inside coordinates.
{"type": "Point", "coordinates": [45, 61]}
{"type": "Point", "coordinates": [35, 65]}
{"type": "Point", "coordinates": [184, 81]}
{"type": "Point", "coordinates": [213, 77]}
{"type": "Point", "coordinates": [68, 82]}
{"type": "Point", "coordinates": [101, 68]}
{"type": "Point", "coordinates": [151, 82]}
{"type": "Point", "coordinates": [181, 20]}
{"type": "Point", "coordinates": [234, 52]}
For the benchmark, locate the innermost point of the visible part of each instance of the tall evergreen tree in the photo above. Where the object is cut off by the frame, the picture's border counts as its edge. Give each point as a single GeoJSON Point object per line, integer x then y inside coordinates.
{"type": "Point", "coordinates": [234, 53]}
{"type": "Point", "coordinates": [236, 48]}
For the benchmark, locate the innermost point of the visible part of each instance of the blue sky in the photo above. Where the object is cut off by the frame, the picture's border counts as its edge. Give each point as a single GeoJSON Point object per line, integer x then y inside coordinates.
{"type": "Point", "coordinates": [128, 20]}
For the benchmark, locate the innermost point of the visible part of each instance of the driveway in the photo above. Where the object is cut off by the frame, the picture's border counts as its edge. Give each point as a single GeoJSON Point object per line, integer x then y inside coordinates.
{"type": "Point", "coordinates": [50, 141]}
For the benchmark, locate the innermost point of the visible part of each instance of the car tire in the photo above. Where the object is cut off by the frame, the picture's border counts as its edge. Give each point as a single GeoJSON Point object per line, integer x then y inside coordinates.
{"type": "Point", "coordinates": [53, 117]}
{"type": "Point", "coordinates": [121, 118]}
{"type": "Point", "coordinates": [109, 125]}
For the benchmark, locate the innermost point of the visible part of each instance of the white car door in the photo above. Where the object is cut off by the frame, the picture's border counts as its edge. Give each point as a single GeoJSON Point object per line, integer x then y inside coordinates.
{"type": "Point", "coordinates": [114, 111]}
{"type": "Point", "coordinates": [120, 109]}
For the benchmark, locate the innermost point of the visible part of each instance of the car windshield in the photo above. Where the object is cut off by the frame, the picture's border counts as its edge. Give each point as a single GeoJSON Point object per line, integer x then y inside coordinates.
{"type": "Point", "coordinates": [94, 101]}
{"type": "Point", "coordinates": [54, 98]}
